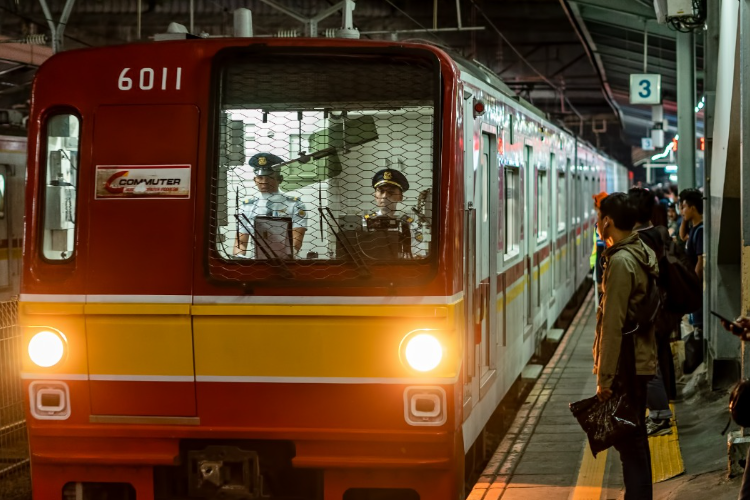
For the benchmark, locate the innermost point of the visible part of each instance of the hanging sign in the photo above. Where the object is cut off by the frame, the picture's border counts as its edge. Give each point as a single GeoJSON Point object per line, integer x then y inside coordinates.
{"type": "Point", "coordinates": [645, 89]}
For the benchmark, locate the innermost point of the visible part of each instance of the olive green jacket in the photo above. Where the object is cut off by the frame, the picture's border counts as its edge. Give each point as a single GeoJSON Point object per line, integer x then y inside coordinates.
{"type": "Point", "coordinates": [625, 283]}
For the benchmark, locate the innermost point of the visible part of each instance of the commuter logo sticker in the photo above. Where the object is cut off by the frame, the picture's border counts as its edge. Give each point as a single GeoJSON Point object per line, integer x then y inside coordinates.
{"type": "Point", "coordinates": [142, 181]}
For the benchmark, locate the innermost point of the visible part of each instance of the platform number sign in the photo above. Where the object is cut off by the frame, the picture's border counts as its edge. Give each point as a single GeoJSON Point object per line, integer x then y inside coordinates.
{"type": "Point", "coordinates": [645, 89]}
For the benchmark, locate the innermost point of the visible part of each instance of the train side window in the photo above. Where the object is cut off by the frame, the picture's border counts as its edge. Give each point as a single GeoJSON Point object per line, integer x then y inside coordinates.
{"type": "Point", "coordinates": [586, 197]}
{"type": "Point", "coordinates": [542, 204]}
{"type": "Point", "coordinates": [60, 186]}
{"type": "Point", "coordinates": [594, 190]}
{"type": "Point", "coordinates": [561, 202]}
{"type": "Point", "coordinates": [2, 196]}
{"type": "Point", "coordinates": [512, 212]}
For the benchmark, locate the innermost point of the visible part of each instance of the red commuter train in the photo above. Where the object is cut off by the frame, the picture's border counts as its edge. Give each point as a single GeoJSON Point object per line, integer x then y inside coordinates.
{"type": "Point", "coordinates": [187, 338]}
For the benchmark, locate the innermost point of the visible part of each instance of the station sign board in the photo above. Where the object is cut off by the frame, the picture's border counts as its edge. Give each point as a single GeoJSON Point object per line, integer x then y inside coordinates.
{"type": "Point", "coordinates": [645, 88]}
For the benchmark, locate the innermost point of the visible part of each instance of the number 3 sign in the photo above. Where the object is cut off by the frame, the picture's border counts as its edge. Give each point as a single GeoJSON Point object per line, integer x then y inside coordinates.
{"type": "Point", "coordinates": [645, 89]}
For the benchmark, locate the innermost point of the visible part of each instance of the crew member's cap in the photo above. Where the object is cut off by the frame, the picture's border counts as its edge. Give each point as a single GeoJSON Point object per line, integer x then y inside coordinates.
{"type": "Point", "coordinates": [263, 163]}
{"type": "Point", "coordinates": [392, 177]}
{"type": "Point", "coordinates": [598, 198]}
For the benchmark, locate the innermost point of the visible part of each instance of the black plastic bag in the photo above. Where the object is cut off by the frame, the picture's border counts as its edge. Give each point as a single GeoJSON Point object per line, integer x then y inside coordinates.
{"type": "Point", "coordinates": [605, 423]}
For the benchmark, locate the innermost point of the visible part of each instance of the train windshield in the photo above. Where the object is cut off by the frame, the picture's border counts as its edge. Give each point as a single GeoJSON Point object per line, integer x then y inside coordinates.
{"type": "Point", "coordinates": [326, 163]}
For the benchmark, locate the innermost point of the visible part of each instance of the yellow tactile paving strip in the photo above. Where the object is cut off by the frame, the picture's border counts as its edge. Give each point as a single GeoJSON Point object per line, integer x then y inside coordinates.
{"type": "Point", "coordinates": [590, 475]}
{"type": "Point", "coordinates": [666, 458]}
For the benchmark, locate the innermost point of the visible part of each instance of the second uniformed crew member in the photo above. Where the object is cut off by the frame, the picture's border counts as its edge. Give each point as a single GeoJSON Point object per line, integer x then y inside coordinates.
{"type": "Point", "coordinates": [390, 186]}
{"type": "Point", "coordinates": [270, 203]}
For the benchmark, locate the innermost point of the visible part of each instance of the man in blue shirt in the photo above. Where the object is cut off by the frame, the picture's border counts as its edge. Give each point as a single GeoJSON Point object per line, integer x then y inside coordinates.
{"type": "Point", "coordinates": [691, 232]}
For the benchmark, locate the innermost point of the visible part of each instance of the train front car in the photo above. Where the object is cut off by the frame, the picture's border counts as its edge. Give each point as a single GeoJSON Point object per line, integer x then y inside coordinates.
{"type": "Point", "coordinates": [242, 274]}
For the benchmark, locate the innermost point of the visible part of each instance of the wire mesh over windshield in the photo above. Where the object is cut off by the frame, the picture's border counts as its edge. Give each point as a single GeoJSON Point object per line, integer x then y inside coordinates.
{"type": "Point", "coordinates": [325, 168]}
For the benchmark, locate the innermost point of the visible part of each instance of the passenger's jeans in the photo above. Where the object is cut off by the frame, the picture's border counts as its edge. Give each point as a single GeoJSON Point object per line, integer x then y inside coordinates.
{"type": "Point", "coordinates": [658, 402]}
{"type": "Point", "coordinates": [634, 452]}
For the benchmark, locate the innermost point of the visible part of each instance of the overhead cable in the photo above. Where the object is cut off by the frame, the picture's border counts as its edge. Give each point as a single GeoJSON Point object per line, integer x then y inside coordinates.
{"type": "Point", "coordinates": [523, 59]}
{"type": "Point", "coordinates": [431, 32]}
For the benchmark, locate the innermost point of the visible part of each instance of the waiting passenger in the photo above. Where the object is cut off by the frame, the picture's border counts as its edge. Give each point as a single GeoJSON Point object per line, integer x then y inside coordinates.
{"type": "Point", "coordinates": [599, 247]}
{"type": "Point", "coordinates": [674, 220]}
{"type": "Point", "coordinates": [691, 232]}
{"type": "Point", "coordinates": [390, 186]}
{"type": "Point", "coordinates": [272, 204]}
{"type": "Point", "coordinates": [657, 238]}
{"type": "Point", "coordinates": [626, 362]}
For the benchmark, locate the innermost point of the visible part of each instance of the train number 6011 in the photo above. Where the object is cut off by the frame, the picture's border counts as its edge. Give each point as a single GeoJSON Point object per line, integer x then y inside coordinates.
{"type": "Point", "coordinates": [146, 79]}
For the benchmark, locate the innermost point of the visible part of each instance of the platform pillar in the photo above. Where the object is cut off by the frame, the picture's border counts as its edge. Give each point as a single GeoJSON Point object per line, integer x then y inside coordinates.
{"type": "Point", "coordinates": [686, 110]}
{"type": "Point", "coordinates": [745, 170]}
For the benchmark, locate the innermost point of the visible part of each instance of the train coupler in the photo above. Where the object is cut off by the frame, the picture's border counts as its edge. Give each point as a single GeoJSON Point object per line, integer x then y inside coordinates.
{"type": "Point", "coordinates": [224, 472]}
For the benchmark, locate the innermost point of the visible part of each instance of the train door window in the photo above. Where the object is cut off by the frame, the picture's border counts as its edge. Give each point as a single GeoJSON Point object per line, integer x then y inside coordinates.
{"type": "Point", "coordinates": [542, 204]}
{"type": "Point", "coordinates": [5, 267]}
{"type": "Point", "coordinates": [2, 196]}
{"type": "Point", "coordinates": [511, 131]}
{"type": "Point", "coordinates": [512, 214]}
{"type": "Point", "coordinates": [586, 196]}
{"type": "Point", "coordinates": [482, 204]}
{"type": "Point", "coordinates": [575, 199]}
{"type": "Point", "coordinates": [594, 190]}
{"type": "Point", "coordinates": [60, 186]}
{"type": "Point", "coordinates": [561, 202]}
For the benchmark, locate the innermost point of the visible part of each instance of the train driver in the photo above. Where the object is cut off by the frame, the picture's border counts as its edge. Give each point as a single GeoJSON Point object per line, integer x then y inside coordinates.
{"type": "Point", "coordinates": [390, 185]}
{"type": "Point", "coordinates": [273, 204]}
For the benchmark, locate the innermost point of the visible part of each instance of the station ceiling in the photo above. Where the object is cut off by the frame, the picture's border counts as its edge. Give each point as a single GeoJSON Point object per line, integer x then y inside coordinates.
{"type": "Point", "coordinates": [570, 58]}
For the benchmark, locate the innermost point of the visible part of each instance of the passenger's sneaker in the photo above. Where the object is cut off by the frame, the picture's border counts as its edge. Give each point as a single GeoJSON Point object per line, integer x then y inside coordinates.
{"type": "Point", "coordinates": [658, 427]}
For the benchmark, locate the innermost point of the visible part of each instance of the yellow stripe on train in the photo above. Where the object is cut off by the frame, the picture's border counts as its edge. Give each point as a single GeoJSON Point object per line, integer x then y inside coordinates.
{"type": "Point", "coordinates": [312, 341]}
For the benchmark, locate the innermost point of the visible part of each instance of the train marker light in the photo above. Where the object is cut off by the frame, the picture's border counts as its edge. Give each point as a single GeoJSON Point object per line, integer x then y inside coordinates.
{"type": "Point", "coordinates": [423, 352]}
{"type": "Point", "coordinates": [46, 348]}
{"type": "Point", "coordinates": [479, 107]}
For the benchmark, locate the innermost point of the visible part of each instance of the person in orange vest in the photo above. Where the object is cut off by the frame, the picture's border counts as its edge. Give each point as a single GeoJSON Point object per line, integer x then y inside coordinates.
{"type": "Point", "coordinates": [599, 247]}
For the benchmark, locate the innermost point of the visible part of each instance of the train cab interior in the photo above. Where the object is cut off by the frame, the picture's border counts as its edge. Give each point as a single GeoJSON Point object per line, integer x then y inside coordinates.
{"type": "Point", "coordinates": [333, 139]}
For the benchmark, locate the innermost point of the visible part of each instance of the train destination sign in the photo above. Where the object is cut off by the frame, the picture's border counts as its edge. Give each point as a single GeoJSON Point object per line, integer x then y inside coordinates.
{"type": "Point", "coordinates": [142, 181]}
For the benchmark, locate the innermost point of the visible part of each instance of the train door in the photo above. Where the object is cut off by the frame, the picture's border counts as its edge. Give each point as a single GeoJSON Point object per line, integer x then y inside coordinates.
{"type": "Point", "coordinates": [526, 236]}
{"type": "Point", "coordinates": [480, 167]}
{"type": "Point", "coordinates": [578, 188]}
{"type": "Point", "coordinates": [470, 253]}
{"type": "Point", "coordinates": [554, 208]}
{"type": "Point", "coordinates": [485, 202]}
{"type": "Point", "coordinates": [542, 235]}
{"type": "Point", "coordinates": [571, 221]}
{"type": "Point", "coordinates": [139, 270]}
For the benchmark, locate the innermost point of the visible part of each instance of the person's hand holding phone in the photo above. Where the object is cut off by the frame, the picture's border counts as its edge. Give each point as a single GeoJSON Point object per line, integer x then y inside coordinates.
{"type": "Point", "coordinates": [740, 327]}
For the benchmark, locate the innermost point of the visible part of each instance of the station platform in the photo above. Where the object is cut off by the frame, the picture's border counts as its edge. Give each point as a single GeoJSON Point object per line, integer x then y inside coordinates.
{"type": "Point", "coordinates": [545, 453]}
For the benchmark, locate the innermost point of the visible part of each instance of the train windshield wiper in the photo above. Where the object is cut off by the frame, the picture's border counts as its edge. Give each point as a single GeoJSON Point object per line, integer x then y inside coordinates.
{"type": "Point", "coordinates": [362, 267]}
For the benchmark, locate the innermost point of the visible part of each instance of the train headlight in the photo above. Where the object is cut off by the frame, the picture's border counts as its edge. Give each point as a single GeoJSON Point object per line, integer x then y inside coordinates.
{"type": "Point", "coordinates": [423, 351]}
{"type": "Point", "coordinates": [47, 348]}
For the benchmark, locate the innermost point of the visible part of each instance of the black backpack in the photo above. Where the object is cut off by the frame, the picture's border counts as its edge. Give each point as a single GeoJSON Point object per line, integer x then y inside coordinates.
{"type": "Point", "coordinates": [683, 290]}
